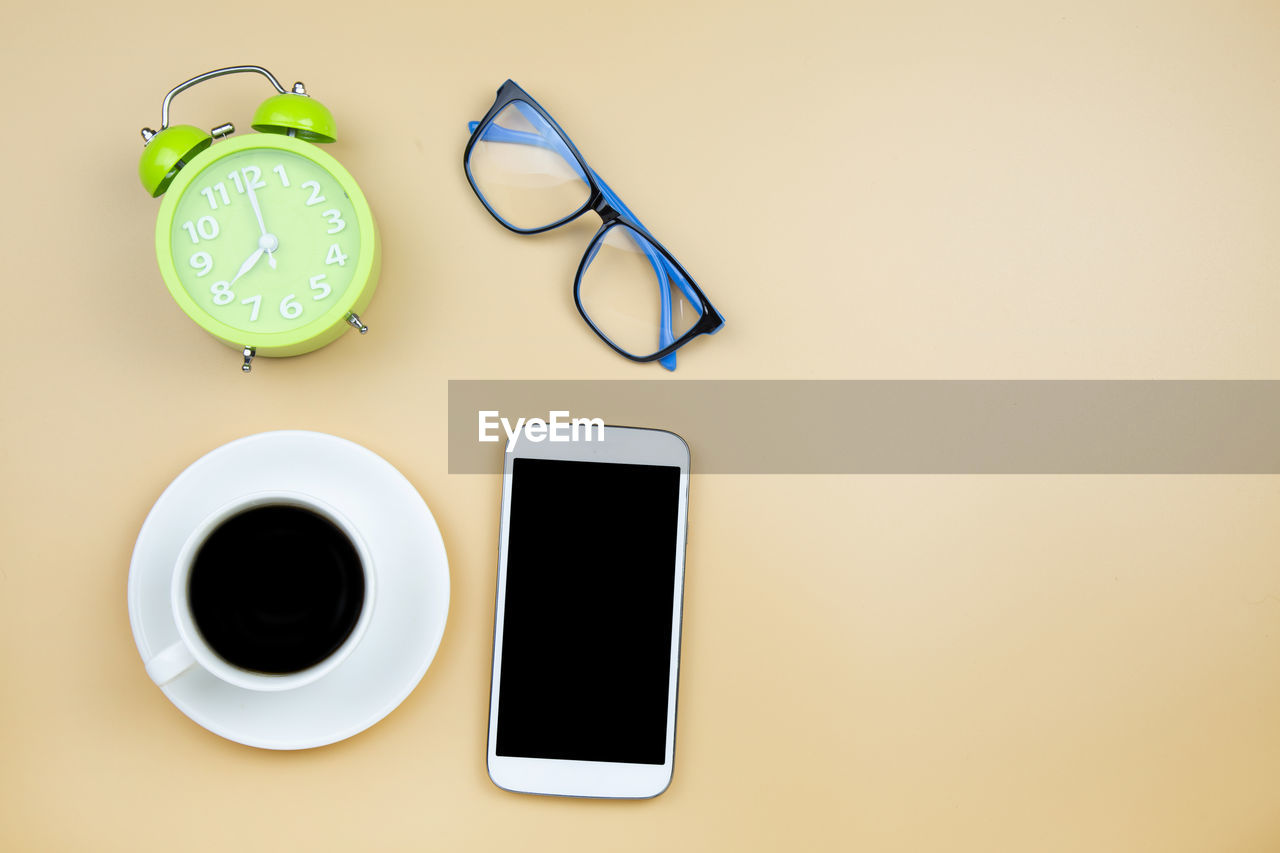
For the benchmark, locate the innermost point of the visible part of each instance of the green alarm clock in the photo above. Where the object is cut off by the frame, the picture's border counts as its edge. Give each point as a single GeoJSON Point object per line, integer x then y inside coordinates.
{"type": "Point", "coordinates": [264, 240]}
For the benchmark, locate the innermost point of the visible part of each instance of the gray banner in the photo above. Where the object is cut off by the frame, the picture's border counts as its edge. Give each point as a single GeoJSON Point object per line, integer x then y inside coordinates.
{"type": "Point", "coordinates": [905, 427]}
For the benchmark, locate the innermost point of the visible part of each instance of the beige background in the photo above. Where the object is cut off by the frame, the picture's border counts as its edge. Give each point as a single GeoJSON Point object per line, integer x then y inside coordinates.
{"type": "Point", "coordinates": [896, 190]}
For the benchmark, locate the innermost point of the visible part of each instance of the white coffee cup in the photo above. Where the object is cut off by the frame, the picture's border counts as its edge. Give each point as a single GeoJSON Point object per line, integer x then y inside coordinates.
{"type": "Point", "coordinates": [192, 649]}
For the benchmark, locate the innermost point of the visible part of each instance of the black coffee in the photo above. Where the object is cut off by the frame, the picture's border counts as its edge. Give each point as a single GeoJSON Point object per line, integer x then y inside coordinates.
{"type": "Point", "coordinates": [276, 589]}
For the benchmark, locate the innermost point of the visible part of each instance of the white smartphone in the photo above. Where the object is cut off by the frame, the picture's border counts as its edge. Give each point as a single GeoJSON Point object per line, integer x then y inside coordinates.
{"type": "Point", "coordinates": [586, 635]}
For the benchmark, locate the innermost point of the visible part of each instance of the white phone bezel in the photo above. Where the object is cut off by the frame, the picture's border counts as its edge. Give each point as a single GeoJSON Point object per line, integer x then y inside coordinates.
{"type": "Point", "coordinates": [592, 778]}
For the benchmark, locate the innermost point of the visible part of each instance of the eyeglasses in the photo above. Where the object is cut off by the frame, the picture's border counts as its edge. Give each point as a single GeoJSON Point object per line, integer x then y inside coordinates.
{"type": "Point", "coordinates": [628, 288]}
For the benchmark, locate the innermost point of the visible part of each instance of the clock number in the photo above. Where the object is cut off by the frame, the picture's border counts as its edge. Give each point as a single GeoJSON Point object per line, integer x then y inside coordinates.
{"type": "Point", "coordinates": [221, 291]}
{"type": "Point", "coordinates": [335, 219]}
{"type": "Point", "coordinates": [290, 308]}
{"type": "Point", "coordinates": [204, 228]}
{"type": "Point", "coordinates": [335, 256]}
{"type": "Point", "coordinates": [253, 178]}
{"type": "Point", "coordinates": [207, 192]}
{"type": "Point", "coordinates": [202, 262]}
{"type": "Point", "coordinates": [256, 302]}
{"type": "Point", "coordinates": [279, 170]}
{"type": "Point", "coordinates": [316, 198]}
{"type": "Point", "coordinates": [317, 283]}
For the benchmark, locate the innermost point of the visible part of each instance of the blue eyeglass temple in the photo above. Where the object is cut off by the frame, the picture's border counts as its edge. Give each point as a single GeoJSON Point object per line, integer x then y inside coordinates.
{"type": "Point", "coordinates": [661, 266]}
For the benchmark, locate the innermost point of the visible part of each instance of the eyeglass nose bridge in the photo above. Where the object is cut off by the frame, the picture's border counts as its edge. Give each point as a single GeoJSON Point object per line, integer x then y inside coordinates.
{"type": "Point", "coordinates": [607, 212]}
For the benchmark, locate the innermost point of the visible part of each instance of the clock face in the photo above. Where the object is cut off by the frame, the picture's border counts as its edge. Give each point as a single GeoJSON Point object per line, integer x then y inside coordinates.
{"type": "Point", "coordinates": [266, 241]}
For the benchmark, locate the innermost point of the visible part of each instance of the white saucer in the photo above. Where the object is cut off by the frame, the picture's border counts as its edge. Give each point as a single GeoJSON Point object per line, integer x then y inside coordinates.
{"type": "Point", "coordinates": [409, 614]}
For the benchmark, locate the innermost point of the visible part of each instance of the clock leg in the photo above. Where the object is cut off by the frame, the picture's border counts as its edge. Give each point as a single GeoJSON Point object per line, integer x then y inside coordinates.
{"type": "Point", "coordinates": [354, 320]}
{"type": "Point", "coordinates": [249, 353]}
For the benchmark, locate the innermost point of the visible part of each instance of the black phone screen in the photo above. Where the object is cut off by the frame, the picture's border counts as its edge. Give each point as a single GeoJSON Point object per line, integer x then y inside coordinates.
{"type": "Point", "coordinates": [587, 622]}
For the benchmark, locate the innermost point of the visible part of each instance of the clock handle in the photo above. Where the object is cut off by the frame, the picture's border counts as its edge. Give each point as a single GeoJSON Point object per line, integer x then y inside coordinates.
{"type": "Point", "coordinates": [209, 75]}
{"type": "Point", "coordinates": [170, 148]}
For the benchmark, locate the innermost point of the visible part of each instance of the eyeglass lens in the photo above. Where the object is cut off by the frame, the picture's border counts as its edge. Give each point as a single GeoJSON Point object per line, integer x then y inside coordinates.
{"type": "Point", "coordinates": [525, 171]}
{"type": "Point", "coordinates": [633, 295]}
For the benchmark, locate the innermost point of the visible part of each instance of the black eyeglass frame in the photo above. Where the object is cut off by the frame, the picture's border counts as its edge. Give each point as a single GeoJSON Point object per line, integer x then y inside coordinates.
{"type": "Point", "coordinates": [710, 320]}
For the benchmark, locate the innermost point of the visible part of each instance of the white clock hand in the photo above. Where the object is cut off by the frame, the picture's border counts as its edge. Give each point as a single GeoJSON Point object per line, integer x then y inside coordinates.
{"type": "Point", "coordinates": [262, 226]}
{"type": "Point", "coordinates": [247, 265]}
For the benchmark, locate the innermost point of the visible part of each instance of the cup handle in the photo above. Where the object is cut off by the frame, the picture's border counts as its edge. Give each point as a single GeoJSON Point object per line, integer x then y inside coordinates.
{"type": "Point", "coordinates": [170, 663]}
